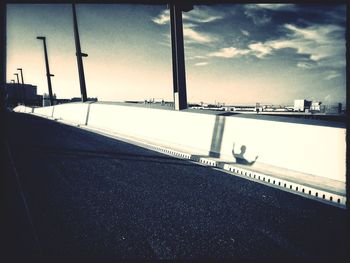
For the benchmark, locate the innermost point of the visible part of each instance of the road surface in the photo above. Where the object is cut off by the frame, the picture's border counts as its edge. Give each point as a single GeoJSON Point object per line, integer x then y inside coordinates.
{"type": "Point", "coordinates": [71, 194]}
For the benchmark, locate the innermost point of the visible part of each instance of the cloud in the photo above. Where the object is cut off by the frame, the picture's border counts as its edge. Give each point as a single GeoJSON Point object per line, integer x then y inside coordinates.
{"type": "Point", "coordinates": [192, 35]}
{"type": "Point", "coordinates": [332, 74]}
{"type": "Point", "coordinates": [197, 15]}
{"type": "Point", "coordinates": [246, 33]}
{"type": "Point", "coordinates": [163, 18]}
{"type": "Point", "coordinates": [203, 14]}
{"type": "Point", "coordinates": [289, 7]}
{"type": "Point", "coordinates": [257, 14]}
{"type": "Point", "coordinates": [306, 65]}
{"type": "Point", "coordinates": [229, 52]}
{"type": "Point", "coordinates": [201, 64]}
{"type": "Point", "coordinates": [259, 49]}
{"type": "Point", "coordinates": [319, 42]}
{"type": "Point", "coordinates": [323, 45]}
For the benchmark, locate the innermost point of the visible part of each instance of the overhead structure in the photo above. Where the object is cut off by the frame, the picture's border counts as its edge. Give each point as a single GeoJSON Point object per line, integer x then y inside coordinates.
{"type": "Point", "coordinates": [48, 74]}
{"type": "Point", "coordinates": [178, 54]}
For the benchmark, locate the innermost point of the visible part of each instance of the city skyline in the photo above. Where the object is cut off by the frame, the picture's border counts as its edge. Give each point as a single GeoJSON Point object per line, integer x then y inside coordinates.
{"type": "Point", "coordinates": [267, 53]}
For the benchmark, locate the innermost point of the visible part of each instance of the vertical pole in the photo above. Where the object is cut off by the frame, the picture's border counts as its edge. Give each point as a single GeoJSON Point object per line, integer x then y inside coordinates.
{"type": "Point", "coordinates": [17, 77]}
{"type": "Point", "coordinates": [18, 90]}
{"type": "Point", "coordinates": [23, 88]}
{"type": "Point", "coordinates": [21, 75]}
{"type": "Point", "coordinates": [79, 57]}
{"type": "Point", "coordinates": [178, 55]}
{"type": "Point", "coordinates": [2, 54]}
{"type": "Point", "coordinates": [48, 74]}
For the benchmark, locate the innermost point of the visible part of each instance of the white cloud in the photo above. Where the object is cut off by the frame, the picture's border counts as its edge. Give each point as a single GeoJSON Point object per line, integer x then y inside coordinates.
{"type": "Point", "coordinates": [259, 49]}
{"type": "Point", "coordinates": [163, 18]}
{"type": "Point", "coordinates": [201, 64]}
{"type": "Point", "coordinates": [306, 65]}
{"type": "Point", "coordinates": [197, 15]}
{"type": "Point", "coordinates": [277, 6]}
{"type": "Point", "coordinates": [202, 14]}
{"type": "Point", "coordinates": [194, 17]}
{"type": "Point", "coordinates": [318, 41]}
{"type": "Point", "coordinates": [245, 32]}
{"type": "Point", "coordinates": [332, 74]}
{"type": "Point", "coordinates": [194, 36]}
{"type": "Point", "coordinates": [229, 52]}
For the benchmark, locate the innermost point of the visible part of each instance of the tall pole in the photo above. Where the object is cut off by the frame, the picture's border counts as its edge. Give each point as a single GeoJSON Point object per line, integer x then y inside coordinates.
{"type": "Point", "coordinates": [17, 77]}
{"type": "Point", "coordinates": [18, 92]}
{"type": "Point", "coordinates": [79, 56]}
{"type": "Point", "coordinates": [48, 74]}
{"type": "Point", "coordinates": [178, 54]}
{"type": "Point", "coordinates": [23, 88]}
{"type": "Point", "coordinates": [21, 70]}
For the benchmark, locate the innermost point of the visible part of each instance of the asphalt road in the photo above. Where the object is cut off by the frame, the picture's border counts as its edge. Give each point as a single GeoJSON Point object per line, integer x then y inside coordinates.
{"type": "Point", "coordinates": [71, 194]}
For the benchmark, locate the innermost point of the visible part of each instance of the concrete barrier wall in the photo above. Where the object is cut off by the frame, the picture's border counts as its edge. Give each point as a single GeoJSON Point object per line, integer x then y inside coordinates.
{"type": "Point", "coordinates": [168, 127]}
{"type": "Point", "coordinates": [44, 111]}
{"type": "Point", "coordinates": [311, 149]}
{"type": "Point", "coordinates": [74, 112]}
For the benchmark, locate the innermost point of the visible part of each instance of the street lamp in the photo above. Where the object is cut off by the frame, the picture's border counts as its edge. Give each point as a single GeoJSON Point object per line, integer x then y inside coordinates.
{"type": "Point", "coordinates": [48, 74]}
{"type": "Point", "coordinates": [23, 89]}
{"type": "Point", "coordinates": [20, 69]}
{"type": "Point", "coordinates": [17, 77]}
{"type": "Point", "coordinates": [18, 92]}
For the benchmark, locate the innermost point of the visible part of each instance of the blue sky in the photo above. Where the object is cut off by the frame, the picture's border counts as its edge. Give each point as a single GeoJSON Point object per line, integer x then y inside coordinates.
{"type": "Point", "coordinates": [267, 53]}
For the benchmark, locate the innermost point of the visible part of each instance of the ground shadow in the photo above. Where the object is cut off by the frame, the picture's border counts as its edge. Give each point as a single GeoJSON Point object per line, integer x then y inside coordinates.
{"type": "Point", "coordinates": [216, 138]}
{"type": "Point", "coordinates": [120, 155]}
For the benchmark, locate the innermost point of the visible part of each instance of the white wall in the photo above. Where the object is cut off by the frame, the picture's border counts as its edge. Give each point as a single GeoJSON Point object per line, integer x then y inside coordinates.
{"type": "Point", "coordinates": [74, 112]}
{"type": "Point", "coordinates": [310, 149]}
{"type": "Point", "coordinates": [44, 111]}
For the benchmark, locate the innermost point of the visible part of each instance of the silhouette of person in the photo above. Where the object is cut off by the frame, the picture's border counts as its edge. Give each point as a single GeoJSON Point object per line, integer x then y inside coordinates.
{"type": "Point", "coordinates": [240, 156]}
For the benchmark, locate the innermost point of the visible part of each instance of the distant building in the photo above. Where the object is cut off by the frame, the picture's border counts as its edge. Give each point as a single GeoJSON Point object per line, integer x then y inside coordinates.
{"type": "Point", "coordinates": [335, 108]}
{"type": "Point", "coordinates": [315, 106]}
{"type": "Point", "coordinates": [21, 94]}
{"type": "Point", "coordinates": [302, 105]}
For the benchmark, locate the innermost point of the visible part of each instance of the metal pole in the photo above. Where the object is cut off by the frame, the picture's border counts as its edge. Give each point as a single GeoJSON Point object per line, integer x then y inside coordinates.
{"type": "Point", "coordinates": [18, 92]}
{"type": "Point", "coordinates": [178, 54]}
{"type": "Point", "coordinates": [23, 88]}
{"type": "Point", "coordinates": [79, 57]}
{"type": "Point", "coordinates": [20, 69]}
{"type": "Point", "coordinates": [48, 74]}
{"type": "Point", "coordinates": [17, 77]}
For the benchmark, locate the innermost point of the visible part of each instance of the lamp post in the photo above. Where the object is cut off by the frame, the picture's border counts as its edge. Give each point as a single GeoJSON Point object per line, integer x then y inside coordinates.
{"type": "Point", "coordinates": [17, 77]}
{"type": "Point", "coordinates": [20, 69]}
{"type": "Point", "coordinates": [48, 74]}
{"type": "Point", "coordinates": [79, 56]}
{"type": "Point", "coordinates": [23, 89]}
{"type": "Point", "coordinates": [18, 92]}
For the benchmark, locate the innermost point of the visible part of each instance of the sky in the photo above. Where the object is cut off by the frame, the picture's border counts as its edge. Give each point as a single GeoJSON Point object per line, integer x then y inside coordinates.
{"type": "Point", "coordinates": [242, 53]}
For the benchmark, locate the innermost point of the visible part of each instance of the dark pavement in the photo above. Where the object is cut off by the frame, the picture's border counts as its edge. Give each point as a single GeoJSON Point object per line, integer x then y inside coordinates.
{"type": "Point", "coordinates": [71, 194]}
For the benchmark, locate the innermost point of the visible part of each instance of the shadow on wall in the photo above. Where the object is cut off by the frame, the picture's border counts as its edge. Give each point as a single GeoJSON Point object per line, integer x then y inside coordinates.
{"type": "Point", "coordinates": [216, 139]}
{"type": "Point", "coordinates": [240, 156]}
